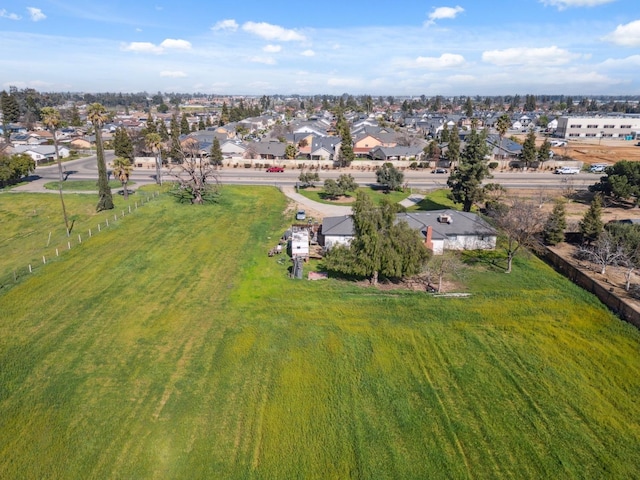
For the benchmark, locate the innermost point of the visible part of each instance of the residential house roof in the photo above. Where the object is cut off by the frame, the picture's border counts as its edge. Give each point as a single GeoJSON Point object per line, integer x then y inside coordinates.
{"type": "Point", "coordinates": [461, 224]}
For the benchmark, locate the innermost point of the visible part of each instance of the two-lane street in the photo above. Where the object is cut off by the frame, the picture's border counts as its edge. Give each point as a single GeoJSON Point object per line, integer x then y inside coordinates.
{"type": "Point", "coordinates": [86, 169]}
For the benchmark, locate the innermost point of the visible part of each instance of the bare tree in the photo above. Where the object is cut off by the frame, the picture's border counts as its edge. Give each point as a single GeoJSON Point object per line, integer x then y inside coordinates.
{"type": "Point", "coordinates": [197, 180]}
{"type": "Point", "coordinates": [521, 223]}
{"type": "Point", "coordinates": [603, 252]}
{"type": "Point", "coordinates": [441, 267]}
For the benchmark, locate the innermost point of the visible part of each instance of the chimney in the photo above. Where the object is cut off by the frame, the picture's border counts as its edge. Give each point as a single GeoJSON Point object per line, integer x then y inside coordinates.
{"type": "Point", "coordinates": [427, 238]}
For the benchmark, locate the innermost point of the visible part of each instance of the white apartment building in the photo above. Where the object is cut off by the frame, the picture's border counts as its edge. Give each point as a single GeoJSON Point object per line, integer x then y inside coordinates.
{"type": "Point", "coordinates": [622, 127]}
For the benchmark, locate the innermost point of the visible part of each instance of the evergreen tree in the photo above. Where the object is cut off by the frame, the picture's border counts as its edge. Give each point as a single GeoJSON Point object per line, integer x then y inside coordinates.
{"type": "Point", "coordinates": [122, 144]}
{"type": "Point", "coordinates": [390, 177]}
{"type": "Point", "coordinates": [10, 107]}
{"type": "Point", "coordinates": [216, 152]}
{"type": "Point", "coordinates": [184, 125]}
{"type": "Point", "coordinates": [346, 145]}
{"type": "Point", "coordinates": [290, 152]}
{"type": "Point", "coordinates": [453, 148]}
{"type": "Point", "coordinates": [161, 128]}
{"type": "Point", "coordinates": [224, 114]}
{"type": "Point", "coordinates": [544, 152]}
{"type": "Point", "coordinates": [445, 135]}
{"type": "Point", "coordinates": [76, 121]}
{"type": "Point", "coordinates": [529, 153]}
{"type": "Point", "coordinates": [151, 125]}
{"type": "Point", "coordinates": [591, 225]}
{"type": "Point", "coordinates": [468, 107]}
{"type": "Point", "coordinates": [381, 244]}
{"type": "Point", "coordinates": [466, 180]}
{"type": "Point", "coordinates": [201, 125]}
{"type": "Point", "coordinates": [554, 227]}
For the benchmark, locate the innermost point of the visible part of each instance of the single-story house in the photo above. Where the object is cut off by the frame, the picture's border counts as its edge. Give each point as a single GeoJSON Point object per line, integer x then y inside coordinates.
{"type": "Point", "coordinates": [441, 230]}
{"type": "Point", "coordinates": [42, 153]}
{"type": "Point", "coordinates": [397, 153]}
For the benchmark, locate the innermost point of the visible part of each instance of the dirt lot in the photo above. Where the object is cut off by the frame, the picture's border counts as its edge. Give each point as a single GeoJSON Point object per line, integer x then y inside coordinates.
{"type": "Point", "coordinates": [609, 151]}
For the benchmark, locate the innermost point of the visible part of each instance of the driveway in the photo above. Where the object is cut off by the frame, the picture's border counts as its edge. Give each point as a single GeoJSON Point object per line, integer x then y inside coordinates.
{"type": "Point", "coordinates": [315, 209]}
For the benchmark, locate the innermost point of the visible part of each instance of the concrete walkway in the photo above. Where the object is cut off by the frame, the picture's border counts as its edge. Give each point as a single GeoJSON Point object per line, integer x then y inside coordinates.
{"type": "Point", "coordinates": [322, 208]}
{"type": "Point", "coordinates": [412, 200]}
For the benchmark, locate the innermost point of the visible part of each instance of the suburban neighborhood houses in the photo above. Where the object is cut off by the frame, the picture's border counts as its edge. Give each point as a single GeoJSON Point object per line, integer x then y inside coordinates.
{"type": "Point", "coordinates": [402, 131]}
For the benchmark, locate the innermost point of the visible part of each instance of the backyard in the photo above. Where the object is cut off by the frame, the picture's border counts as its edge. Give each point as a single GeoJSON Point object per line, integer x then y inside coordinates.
{"type": "Point", "coordinates": [170, 345]}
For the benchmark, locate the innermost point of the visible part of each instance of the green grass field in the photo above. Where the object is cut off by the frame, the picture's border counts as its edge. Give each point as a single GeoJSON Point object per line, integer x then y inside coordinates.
{"type": "Point", "coordinates": [84, 185]}
{"type": "Point", "coordinates": [376, 195]}
{"type": "Point", "coordinates": [172, 346]}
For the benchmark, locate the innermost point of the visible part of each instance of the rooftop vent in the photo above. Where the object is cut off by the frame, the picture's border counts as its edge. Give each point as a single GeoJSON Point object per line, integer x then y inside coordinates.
{"type": "Point", "coordinates": [442, 218]}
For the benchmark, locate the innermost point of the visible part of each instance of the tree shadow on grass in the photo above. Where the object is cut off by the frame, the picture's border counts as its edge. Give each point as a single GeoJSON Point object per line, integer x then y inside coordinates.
{"type": "Point", "coordinates": [429, 204]}
{"type": "Point", "coordinates": [490, 259]}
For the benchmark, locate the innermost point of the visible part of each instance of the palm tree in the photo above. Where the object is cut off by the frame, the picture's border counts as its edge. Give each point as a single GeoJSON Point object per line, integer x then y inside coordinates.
{"type": "Point", "coordinates": [502, 125]}
{"type": "Point", "coordinates": [122, 170]}
{"type": "Point", "coordinates": [97, 115]}
{"type": "Point", "coordinates": [154, 142]}
{"type": "Point", "coordinates": [51, 119]}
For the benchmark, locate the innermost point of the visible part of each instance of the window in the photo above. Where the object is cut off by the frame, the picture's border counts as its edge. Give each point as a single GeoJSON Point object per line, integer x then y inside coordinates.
{"type": "Point", "coordinates": [609, 126]}
{"type": "Point", "coordinates": [576, 126]}
{"type": "Point", "coordinates": [590, 135]}
{"type": "Point", "coordinates": [574, 134]}
{"type": "Point", "coordinates": [625, 126]}
{"type": "Point", "coordinates": [592, 126]}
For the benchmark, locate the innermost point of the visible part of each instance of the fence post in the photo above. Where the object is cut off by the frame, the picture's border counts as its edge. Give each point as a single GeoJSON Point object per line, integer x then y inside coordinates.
{"type": "Point", "coordinates": [44, 260]}
{"type": "Point", "coordinates": [115, 217]}
{"type": "Point", "coordinates": [57, 254]}
{"type": "Point", "coordinates": [79, 239]}
{"type": "Point", "coordinates": [30, 271]}
{"type": "Point", "coordinates": [107, 222]}
{"type": "Point", "coordinates": [69, 245]}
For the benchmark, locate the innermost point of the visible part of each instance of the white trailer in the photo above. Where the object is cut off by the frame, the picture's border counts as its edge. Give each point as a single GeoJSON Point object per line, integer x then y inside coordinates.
{"type": "Point", "coordinates": [299, 243]}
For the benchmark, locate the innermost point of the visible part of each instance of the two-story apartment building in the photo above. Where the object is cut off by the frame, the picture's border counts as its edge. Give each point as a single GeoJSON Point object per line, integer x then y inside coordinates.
{"type": "Point", "coordinates": [625, 127]}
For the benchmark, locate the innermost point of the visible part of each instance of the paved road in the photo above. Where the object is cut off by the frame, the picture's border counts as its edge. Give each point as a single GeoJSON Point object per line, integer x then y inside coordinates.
{"type": "Point", "coordinates": [86, 169]}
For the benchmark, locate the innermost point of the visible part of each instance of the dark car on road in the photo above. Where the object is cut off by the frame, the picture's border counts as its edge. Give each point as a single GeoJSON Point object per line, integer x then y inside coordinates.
{"type": "Point", "coordinates": [439, 170]}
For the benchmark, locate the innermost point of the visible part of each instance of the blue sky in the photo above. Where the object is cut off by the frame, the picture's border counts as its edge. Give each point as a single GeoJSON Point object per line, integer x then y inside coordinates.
{"type": "Point", "coordinates": [472, 47]}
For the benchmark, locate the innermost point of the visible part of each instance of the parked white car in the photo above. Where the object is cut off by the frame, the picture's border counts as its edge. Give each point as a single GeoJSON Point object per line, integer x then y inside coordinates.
{"type": "Point", "coordinates": [567, 170]}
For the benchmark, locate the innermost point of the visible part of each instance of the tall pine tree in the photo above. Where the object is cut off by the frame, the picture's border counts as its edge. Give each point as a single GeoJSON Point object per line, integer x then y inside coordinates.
{"type": "Point", "coordinates": [466, 180]}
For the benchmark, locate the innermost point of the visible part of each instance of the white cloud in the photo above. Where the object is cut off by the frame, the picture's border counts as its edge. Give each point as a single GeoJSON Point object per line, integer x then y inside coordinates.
{"type": "Point", "coordinates": [564, 4]}
{"type": "Point", "coordinates": [265, 60]}
{"type": "Point", "coordinates": [629, 62]}
{"type": "Point", "coordinates": [272, 32]}
{"type": "Point", "coordinates": [36, 14]}
{"type": "Point", "coordinates": [10, 16]}
{"type": "Point", "coordinates": [148, 47]}
{"type": "Point", "coordinates": [626, 35]}
{"type": "Point", "coordinates": [142, 47]}
{"type": "Point", "coordinates": [173, 74]}
{"type": "Point", "coordinates": [271, 48]}
{"type": "Point", "coordinates": [308, 53]}
{"type": "Point", "coordinates": [175, 43]}
{"type": "Point", "coordinates": [529, 56]}
{"type": "Point", "coordinates": [440, 13]}
{"type": "Point", "coordinates": [446, 60]}
{"type": "Point", "coordinates": [228, 24]}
